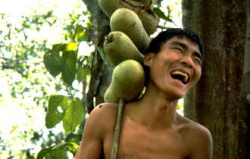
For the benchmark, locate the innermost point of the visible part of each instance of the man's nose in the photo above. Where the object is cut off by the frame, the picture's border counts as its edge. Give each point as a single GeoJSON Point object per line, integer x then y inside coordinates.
{"type": "Point", "coordinates": [187, 61]}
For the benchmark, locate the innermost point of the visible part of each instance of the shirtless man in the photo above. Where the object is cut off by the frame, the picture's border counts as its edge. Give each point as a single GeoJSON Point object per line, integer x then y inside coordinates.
{"type": "Point", "coordinates": [151, 127]}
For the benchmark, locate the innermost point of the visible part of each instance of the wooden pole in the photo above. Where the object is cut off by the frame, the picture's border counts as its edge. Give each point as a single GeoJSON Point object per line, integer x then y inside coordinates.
{"type": "Point", "coordinates": [117, 130]}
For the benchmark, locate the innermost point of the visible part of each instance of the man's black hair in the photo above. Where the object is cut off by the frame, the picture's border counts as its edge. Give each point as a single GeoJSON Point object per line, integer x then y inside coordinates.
{"type": "Point", "coordinates": [156, 44]}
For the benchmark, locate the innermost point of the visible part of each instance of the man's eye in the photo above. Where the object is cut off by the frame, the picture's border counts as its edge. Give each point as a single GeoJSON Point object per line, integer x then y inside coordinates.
{"type": "Point", "coordinates": [197, 58]}
{"type": "Point", "coordinates": [198, 61]}
{"type": "Point", "coordinates": [178, 49]}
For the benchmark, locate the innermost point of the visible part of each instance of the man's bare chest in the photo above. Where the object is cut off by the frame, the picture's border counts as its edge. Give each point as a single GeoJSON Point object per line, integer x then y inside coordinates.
{"type": "Point", "coordinates": [138, 143]}
{"type": "Point", "coordinates": [151, 145]}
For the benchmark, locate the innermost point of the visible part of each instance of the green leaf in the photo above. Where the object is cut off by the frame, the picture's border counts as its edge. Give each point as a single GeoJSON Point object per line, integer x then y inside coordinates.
{"type": "Point", "coordinates": [59, 47]}
{"type": "Point", "coordinates": [69, 146]}
{"type": "Point", "coordinates": [53, 62]}
{"type": "Point", "coordinates": [72, 46]}
{"type": "Point", "coordinates": [161, 14]}
{"type": "Point", "coordinates": [58, 151]}
{"type": "Point", "coordinates": [43, 152]}
{"type": "Point", "coordinates": [69, 67]}
{"type": "Point", "coordinates": [57, 154]}
{"type": "Point", "coordinates": [72, 147]}
{"type": "Point", "coordinates": [74, 137]}
{"type": "Point", "coordinates": [81, 73]}
{"type": "Point", "coordinates": [54, 116]}
{"type": "Point", "coordinates": [90, 25]}
{"type": "Point", "coordinates": [81, 33]}
{"type": "Point", "coordinates": [73, 115]}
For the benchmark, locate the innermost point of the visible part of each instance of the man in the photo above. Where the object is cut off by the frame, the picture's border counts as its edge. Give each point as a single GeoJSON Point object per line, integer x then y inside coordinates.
{"type": "Point", "coordinates": [151, 127]}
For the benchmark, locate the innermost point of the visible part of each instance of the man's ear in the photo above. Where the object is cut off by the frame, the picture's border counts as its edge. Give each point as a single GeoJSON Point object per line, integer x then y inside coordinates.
{"type": "Point", "coordinates": [148, 58]}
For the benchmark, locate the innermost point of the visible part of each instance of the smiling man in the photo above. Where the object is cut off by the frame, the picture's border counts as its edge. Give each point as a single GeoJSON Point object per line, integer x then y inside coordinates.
{"type": "Point", "coordinates": [151, 127]}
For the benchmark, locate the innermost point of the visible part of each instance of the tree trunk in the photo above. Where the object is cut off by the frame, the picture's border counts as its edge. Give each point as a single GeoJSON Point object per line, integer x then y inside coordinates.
{"type": "Point", "coordinates": [100, 73]}
{"type": "Point", "coordinates": [246, 77]}
{"type": "Point", "coordinates": [216, 101]}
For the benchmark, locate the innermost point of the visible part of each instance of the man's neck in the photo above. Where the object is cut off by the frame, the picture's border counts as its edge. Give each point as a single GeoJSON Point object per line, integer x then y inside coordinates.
{"type": "Point", "coordinates": [155, 111]}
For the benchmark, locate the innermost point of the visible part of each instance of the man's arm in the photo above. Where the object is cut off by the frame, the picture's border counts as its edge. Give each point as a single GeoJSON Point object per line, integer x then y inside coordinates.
{"type": "Point", "coordinates": [202, 144]}
{"type": "Point", "coordinates": [92, 140]}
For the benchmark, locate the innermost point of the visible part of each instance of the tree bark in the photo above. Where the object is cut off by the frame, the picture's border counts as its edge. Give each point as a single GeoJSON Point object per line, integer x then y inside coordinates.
{"type": "Point", "coordinates": [100, 73]}
{"type": "Point", "coordinates": [246, 78]}
{"type": "Point", "coordinates": [216, 101]}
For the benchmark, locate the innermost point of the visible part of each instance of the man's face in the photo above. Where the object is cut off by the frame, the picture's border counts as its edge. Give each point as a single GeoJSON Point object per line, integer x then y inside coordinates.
{"type": "Point", "coordinates": [176, 68]}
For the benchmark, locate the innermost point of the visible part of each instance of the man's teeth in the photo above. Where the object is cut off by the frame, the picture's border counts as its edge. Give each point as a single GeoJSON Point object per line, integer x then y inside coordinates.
{"type": "Point", "coordinates": [185, 76]}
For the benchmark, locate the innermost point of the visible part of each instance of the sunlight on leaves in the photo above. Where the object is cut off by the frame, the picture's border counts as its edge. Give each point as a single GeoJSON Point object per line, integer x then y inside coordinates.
{"type": "Point", "coordinates": [72, 46]}
{"type": "Point", "coordinates": [54, 116]}
{"type": "Point", "coordinates": [73, 115]}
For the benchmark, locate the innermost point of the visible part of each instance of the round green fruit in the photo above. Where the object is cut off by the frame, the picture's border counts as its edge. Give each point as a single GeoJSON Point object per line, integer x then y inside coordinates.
{"type": "Point", "coordinates": [127, 82]}
{"type": "Point", "coordinates": [143, 8]}
{"type": "Point", "coordinates": [128, 22]}
{"type": "Point", "coordinates": [118, 47]}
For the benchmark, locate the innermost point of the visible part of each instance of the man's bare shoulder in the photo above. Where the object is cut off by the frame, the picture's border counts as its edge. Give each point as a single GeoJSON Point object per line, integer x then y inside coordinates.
{"type": "Point", "coordinates": [197, 136]}
{"type": "Point", "coordinates": [104, 109]}
{"type": "Point", "coordinates": [99, 124]}
{"type": "Point", "coordinates": [192, 127]}
{"type": "Point", "coordinates": [104, 114]}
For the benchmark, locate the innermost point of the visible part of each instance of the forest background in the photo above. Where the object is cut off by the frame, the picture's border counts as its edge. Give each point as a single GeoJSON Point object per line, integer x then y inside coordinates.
{"type": "Point", "coordinates": [52, 74]}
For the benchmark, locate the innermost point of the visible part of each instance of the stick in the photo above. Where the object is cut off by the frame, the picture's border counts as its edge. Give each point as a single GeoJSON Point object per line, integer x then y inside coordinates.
{"type": "Point", "coordinates": [117, 130]}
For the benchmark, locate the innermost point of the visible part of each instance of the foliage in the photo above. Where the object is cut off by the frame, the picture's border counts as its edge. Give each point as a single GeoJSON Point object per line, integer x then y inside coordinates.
{"type": "Point", "coordinates": [58, 151]}
{"type": "Point", "coordinates": [22, 46]}
{"type": "Point", "coordinates": [63, 60]}
{"type": "Point", "coordinates": [21, 64]}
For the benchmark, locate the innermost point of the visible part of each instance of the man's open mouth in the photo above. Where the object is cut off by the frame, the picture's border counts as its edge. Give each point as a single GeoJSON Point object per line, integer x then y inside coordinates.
{"type": "Point", "coordinates": [181, 76]}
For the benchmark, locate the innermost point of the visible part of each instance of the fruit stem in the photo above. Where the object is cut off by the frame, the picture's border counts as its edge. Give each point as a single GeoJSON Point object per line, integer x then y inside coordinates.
{"type": "Point", "coordinates": [117, 129]}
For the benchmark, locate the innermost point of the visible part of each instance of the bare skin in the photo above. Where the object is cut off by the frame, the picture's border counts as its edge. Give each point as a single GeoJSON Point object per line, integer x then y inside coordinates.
{"type": "Point", "coordinates": [151, 128]}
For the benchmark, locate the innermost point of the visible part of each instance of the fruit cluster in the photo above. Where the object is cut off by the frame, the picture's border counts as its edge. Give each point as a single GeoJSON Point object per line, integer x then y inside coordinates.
{"type": "Point", "coordinates": [132, 22]}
